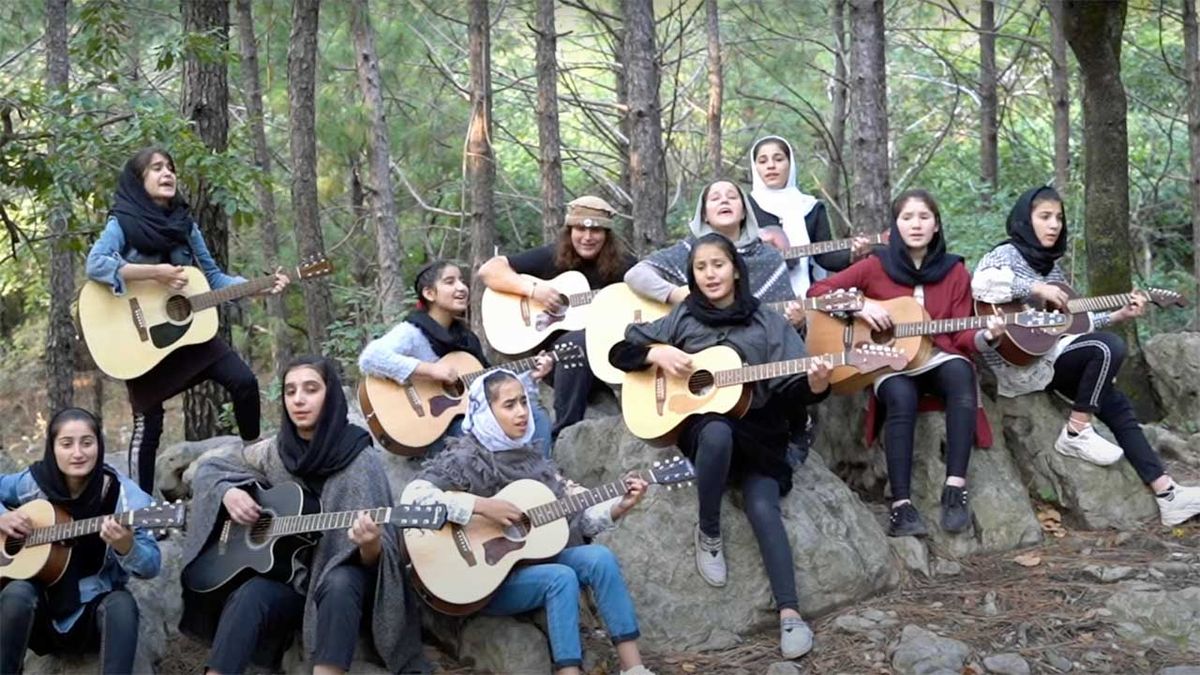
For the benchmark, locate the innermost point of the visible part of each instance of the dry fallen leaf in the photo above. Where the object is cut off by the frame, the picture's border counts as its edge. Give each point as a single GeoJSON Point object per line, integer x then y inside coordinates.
{"type": "Point", "coordinates": [688, 667]}
{"type": "Point", "coordinates": [1028, 559]}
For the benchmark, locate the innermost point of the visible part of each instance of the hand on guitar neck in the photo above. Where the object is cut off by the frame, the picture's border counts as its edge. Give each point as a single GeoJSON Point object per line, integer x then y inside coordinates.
{"type": "Point", "coordinates": [1056, 297]}
{"type": "Point", "coordinates": [1135, 308]}
{"type": "Point", "coordinates": [505, 513]}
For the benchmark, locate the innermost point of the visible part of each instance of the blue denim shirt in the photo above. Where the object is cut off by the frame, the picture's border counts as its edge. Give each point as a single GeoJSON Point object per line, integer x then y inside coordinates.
{"type": "Point", "coordinates": [110, 253]}
{"type": "Point", "coordinates": [143, 560]}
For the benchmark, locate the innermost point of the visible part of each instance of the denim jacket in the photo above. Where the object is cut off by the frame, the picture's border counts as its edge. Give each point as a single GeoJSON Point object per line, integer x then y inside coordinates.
{"type": "Point", "coordinates": [110, 253]}
{"type": "Point", "coordinates": [143, 560]}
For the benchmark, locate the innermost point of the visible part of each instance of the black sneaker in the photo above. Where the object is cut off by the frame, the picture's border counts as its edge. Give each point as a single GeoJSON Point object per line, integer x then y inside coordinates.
{"type": "Point", "coordinates": [956, 514]}
{"type": "Point", "coordinates": [906, 522]}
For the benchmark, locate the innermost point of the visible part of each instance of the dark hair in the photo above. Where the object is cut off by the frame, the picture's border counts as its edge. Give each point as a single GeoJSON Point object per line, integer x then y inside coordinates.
{"type": "Point", "coordinates": [60, 419]}
{"type": "Point", "coordinates": [317, 363]}
{"type": "Point", "coordinates": [1046, 194]}
{"type": "Point", "coordinates": [141, 159]}
{"type": "Point", "coordinates": [427, 277]}
{"type": "Point", "coordinates": [920, 195]}
{"type": "Point", "coordinates": [712, 239]}
{"type": "Point", "coordinates": [493, 380]}
{"type": "Point", "coordinates": [609, 261]}
{"type": "Point", "coordinates": [771, 139]}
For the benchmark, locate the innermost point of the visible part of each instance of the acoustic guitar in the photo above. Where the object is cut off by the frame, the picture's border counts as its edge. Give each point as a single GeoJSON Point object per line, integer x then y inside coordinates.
{"type": "Point", "coordinates": [45, 552]}
{"type": "Point", "coordinates": [129, 334]}
{"type": "Point", "coordinates": [1021, 346]}
{"type": "Point", "coordinates": [615, 307]}
{"type": "Point", "coordinates": [515, 324]}
{"type": "Point", "coordinates": [291, 522]}
{"type": "Point", "coordinates": [405, 417]}
{"type": "Point", "coordinates": [829, 246]}
{"type": "Point", "coordinates": [655, 404]}
{"type": "Point", "coordinates": [910, 331]}
{"type": "Point", "coordinates": [458, 569]}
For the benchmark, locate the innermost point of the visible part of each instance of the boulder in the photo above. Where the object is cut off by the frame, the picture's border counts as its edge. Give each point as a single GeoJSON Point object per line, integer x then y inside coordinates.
{"type": "Point", "coordinates": [840, 553]}
{"type": "Point", "coordinates": [921, 652]}
{"type": "Point", "coordinates": [1174, 360]}
{"type": "Point", "coordinates": [1007, 663]}
{"type": "Point", "coordinates": [1157, 618]}
{"type": "Point", "coordinates": [1173, 447]}
{"type": "Point", "coordinates": [503, 645]}
{"type": "Point", "coordinates": [1090, 496]}
{"type": "Point", "coordinates": [174, 460]}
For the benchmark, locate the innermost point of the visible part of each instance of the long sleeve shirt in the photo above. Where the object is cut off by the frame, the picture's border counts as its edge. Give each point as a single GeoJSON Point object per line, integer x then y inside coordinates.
{"type": "Point", "coordinates": [111, 252]}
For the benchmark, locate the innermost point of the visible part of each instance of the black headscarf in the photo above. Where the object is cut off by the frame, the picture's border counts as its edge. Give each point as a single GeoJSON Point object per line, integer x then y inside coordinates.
{"type": "Point", "coordinates": [335, 442]}
{"type": "Point", "coordinates": [898, 264]}
{"type": "Point", "coordinates": [457, 338]}
{"type": "Point", "coordinates": [1022, 237]}
{"type": "Point", "coordinates": [744, 303]}
{"type": "Point", "coordinates": [87, 552]}
{"type": "Point", "coordinates": [148, 227]}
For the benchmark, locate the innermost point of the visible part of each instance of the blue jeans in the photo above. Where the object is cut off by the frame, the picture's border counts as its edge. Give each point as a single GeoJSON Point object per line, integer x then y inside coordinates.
{"type": "Point", "coordinates": [555, 585]}
{"type": "Point", "coordinates": [541, 432]}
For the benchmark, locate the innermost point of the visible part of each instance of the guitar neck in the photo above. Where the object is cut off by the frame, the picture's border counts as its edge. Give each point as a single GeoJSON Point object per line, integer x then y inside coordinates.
{"type": "Point", "coordinates": [318, 522]}
{"type": "Point", "coordinates": [561, 508]}
{"type": "Point", "coordinates": [579, 299]}
{"type": "Point", "coordinates": [213, 298]}
{"type": "Point", "coordinates": [767, 371]}
{"type": "Point", "coordinates": [822, 247]}
{"type": "Point", "coordinates": [1099, 303]}
{"type": "Point", "coordinates": [518, 366]}
{"type": "Point", "coordinates": [946, 325]}
{"type": "Point", "coordinates": [74, 529]}
{"type": "Point", "coordinates": [807, 304]}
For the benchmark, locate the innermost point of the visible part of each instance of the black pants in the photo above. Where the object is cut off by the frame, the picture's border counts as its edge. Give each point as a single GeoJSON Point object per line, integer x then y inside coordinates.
{"type": "Point", "coordinates": [714, 453]}
{"type": "Point", "coordinates": [262, 607]}
{"type": "Point", "coordinates": [232, 373]}
{"type": "Point", "coordinates": [108, 623]}
{"type": "Point", "coordinates": [1084, 373]}
{"type": "Point", "coordinates": [572, 386]}
{"type": "Point", "coordinates": [954, 383]}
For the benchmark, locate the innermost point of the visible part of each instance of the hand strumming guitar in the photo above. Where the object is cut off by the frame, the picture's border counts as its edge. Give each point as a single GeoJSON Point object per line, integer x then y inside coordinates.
{"type": "Point", "coordinates": [116, 535]}
{"type": "Point", "coordinates": [1053, 296]}
{"type": "Point", "coordinates": [635, 489]}
{"type": "Point", "coordinates": [500, 511]}
{"type": "Point", "coordinates": [171, 276]}
{"type": "Point", "coordinates": [875, 315]}
{"type": "Point", "coordinates": [242, 508]}
{"type": "Point", "coordinates": [15, 524]}
{"type": "Point", "coordinates": [677, 363]}
{"type": "Point", "coordinates": [441, 372]}
{"type": "Point", "coordinates": [550, 298]}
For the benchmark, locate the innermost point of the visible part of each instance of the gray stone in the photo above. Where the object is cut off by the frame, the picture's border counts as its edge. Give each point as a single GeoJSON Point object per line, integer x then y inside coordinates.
{"type": "Point", "coordinates": [504, 645]}
{"type": "Point", "coordinates": [1089, 496]}
{"type": "Point", "coordinates": [839, 551]}
{"type": "Point", "coordinates": [1180, 670]}
{"type": "Point", "coordinates": [912, 553]}
{"type": "Point", "coordinates": [1174, 360]}
{"type": "Point", "coordinates": [921, 652]}
{"type": "Point", "coordinates": [1157, 618]}
{"type": "Point", "coordinates": [174, 460]}
{"type": "Point", "coordinates": [7, 463]}
{"type": "Point", "coordinates": [784, 668]}
{"type": "Point", "coordinates": [1108, 575]}
{"type": "Point", "coordinates": [1059, 662]}
{"type": "Point", "coordinates": [1172, 446]}
{"type": "Point", "coordinates": [1006, 664]}
{"type": "Point", "coordinates": [946, 568]}
{"type": "Point", "coordinates": [365, 660]}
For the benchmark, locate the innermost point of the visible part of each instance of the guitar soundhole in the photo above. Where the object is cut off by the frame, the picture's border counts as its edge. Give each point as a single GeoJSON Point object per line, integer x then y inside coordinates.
{"type": "Point", "coordinates": [700, 382]}
{"type": "Point", "coordinates": [13, 546]}
{"type": "Point", "coordinates": [519, 530]}
{"type": "Point", "coordinates": [179, 308]}
{"type": "Point", "coordinates": [883, 337]}
{"type": "Point", "coordinates": [455, 390]}
{"type": "Point", "coordinates": [259, 533]}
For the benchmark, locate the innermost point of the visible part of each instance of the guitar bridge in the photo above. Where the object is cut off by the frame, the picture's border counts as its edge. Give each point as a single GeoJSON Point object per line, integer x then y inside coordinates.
{"type": "Point", "coordinates": [139, 319]}
{"type": "Point", "coordinates": [223, 540]}
{"type": "Point", "coordinates": [463, 545]}
{"type": "Point", "coordinates": [525, 311]}
{"type": "Point", "coordinates": [414, 400]}
{"type": "Point", "coordinates": [660, 390]}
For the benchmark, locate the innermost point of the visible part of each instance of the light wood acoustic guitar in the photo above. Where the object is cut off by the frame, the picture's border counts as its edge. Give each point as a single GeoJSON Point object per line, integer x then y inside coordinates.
{"type": "Point", "coordinates": [1021, 346]}
{"type": "Point", "coordinates": [655, 404]}
{"type": "Point", "coordinates": [910, 331]}
{"type": "Point", "coordinates": [515, 324]}
{"type": "Point", "coordinates": [129, 334]}
{"type": "Point", "coordinates": [291, 522]}
{"type": "Point", "coordinates": [45, 552]}
{"type": "Point", "coordinates": [615, 307]}
{"type": "Point", "coordinates": [406, 417]}
{"type": "Point", "coordinates": [829, 246]}
{"type": "Point", "coordinates": [458, 569]}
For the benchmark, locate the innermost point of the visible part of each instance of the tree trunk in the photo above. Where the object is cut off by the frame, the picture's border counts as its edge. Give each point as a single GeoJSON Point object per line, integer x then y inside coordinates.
{"type": "Point", "coordinates": [550, 163]}
{"type": "Point", "coordinates": [268, 231]}
{"type": "Point", "coordinates": [989, 157]}
{"type": "Point", "coordinates": [647, 166]}
{"type": "Point", "coordinates": [379, 167]}
{"type": "Point", "coordinates": [1061, 80]}
{"type": "Point", "coordinates": [872, 188]}
{"type": "Point", "coordinates": [60, 338]}
{"type": "Point", "coordinates": [206, 103]}
{"type": "Point", "coordinates": [302, 111]}
{"type": "Point", "coordinates": [716, 85]}
{"type": "Point", "coordinates": [1093, 30]}
{"type": "Point", "coordinates": [1191, 41]}
{"type": "Point", "coordinates": [481, 166]}
{"type": "Point", "coordinates": [625, 125]}
{"type": "Point", "coordinates": [837, 121]}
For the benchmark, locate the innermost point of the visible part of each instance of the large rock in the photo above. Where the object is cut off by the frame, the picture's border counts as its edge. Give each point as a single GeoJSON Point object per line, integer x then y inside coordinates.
{"type": "Point", "coordinates": [1158, 618]}
{"type": "Point", "coordinates": [921, 652]}
{"type": "Point", "coordinates": [1090, 496]}
{"type": "Point", "coordinates": [172, 461]}
{"type": "Point", "coordinates": [503, 645]}
{"type": "Point", "coordinates": [840, 553]}
{"type": "Point", "coordinates": [1174, 360]}
{"type": "Point", "coordinates": [1172, 446]}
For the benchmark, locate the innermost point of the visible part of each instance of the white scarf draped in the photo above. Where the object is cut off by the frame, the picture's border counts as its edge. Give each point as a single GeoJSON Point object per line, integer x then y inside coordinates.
{"type": "Point", "coordinates": [481, 422]}
{"type": "Point", "coordinates": [788, 204]}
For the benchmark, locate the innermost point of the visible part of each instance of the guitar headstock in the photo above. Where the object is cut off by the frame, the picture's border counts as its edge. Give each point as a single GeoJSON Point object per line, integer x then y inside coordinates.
{"type": "Point", "coordinates": [570, 355]}
{"type": "Point", "coordinates": [159, 516]}
{"type": "Point", "coordinates": [1036, 318]}
{"type": "Point", "coordinates": [841, 300]}
{"type": "Point", "coordinates": [870, 357]}
{"type": "Point", "coordinates": [1164, 298]}
{"type": "Point", "coordinates": [425, 517]}
{"type": "Point", "coordinates": [672, 471]}
{"type": "Point", "coordinates": [314, 267]}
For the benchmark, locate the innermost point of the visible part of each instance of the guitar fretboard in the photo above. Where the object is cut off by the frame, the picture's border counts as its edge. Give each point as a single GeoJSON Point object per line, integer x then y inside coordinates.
{"type": "Point", "coordinates": [578, 299]}
{"type": "Point", "coordinates": [829, 246]}
{"type": "Point", "coordinates": [73, 529]}
{"type": "Point", "coordinates": [518, 366]}
{"type": "Point", "coordinates": [213, 298]}
{"type": "Point", "coordinates": [767, 371]}
{"type": "Point", "coordinates": [1099, 303]}
{"type": "Point", "coordinates": [316, 522]}
{"type": "Point", "coordinates": [945, 325]}
{"type": "Point", "coordinates": [807, 304]}
{"type": "Point", "coordinates": [561, 508]}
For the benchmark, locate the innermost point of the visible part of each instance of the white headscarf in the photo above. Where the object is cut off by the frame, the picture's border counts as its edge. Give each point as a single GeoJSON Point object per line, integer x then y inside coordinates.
{"type": "Point", "coordinates": [481, 422]}
{"type": "Point", "coordinates": [790, 205]}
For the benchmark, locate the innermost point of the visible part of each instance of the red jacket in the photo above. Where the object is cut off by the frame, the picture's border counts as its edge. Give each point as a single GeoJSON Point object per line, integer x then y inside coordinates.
{"type": "Point", "coordinates": [947, 299]}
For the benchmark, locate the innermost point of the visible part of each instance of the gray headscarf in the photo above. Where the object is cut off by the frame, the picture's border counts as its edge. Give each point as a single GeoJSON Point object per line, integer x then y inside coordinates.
{"type": "Point", "coordinates": [481, 422]}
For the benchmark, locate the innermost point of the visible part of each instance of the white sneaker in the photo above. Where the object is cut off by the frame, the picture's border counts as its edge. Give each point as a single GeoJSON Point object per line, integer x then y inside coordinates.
{"type": "Point", "coordinates": [795, 637]}
{"type": "Point", "coordinates": [1088, 445]}
{"type": "Point", "coordinates": [1180, 504]}
{"type": "Point", "coordinates": [710, 559]}
{"type": "Point", "coordinates": [638, 670]}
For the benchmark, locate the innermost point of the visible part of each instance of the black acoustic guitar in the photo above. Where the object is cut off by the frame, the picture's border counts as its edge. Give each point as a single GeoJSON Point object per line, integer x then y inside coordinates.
{"type": "Point", "coordinates": [291, 522]}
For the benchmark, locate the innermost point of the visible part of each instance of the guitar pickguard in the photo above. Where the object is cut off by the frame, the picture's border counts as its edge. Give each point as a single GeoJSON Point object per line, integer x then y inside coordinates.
{"type": "Point", "coordinates": [495, 549]}
{"type": "Point", "coordinates": [166, 334]}
{"type": "Point", "coordinates": [440, 404]}
{"type": "Point", "coordinates": [545, 319]}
